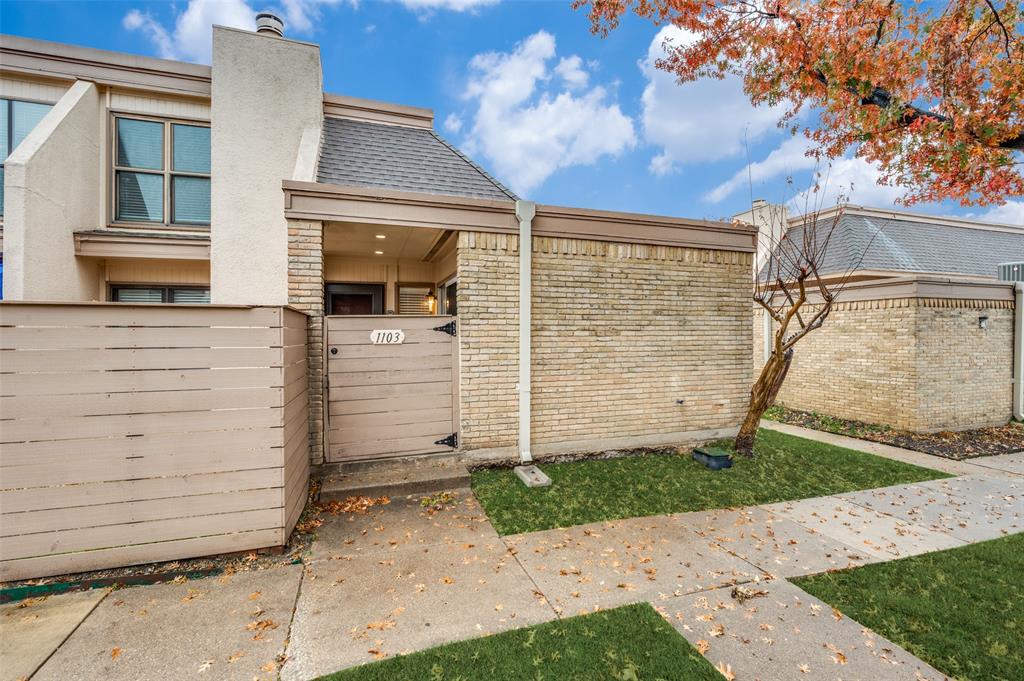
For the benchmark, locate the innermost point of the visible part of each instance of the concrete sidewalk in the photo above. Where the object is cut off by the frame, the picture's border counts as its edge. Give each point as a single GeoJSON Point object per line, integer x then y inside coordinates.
{"type": "Point", "coordinates": [402, 578]}
{"type": "Point", "coordinates": [1002, 465]}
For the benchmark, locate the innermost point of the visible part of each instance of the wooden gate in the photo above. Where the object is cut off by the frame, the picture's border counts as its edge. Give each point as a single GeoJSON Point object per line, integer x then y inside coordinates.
{"type": "Point", "coordinates": [389, 398]}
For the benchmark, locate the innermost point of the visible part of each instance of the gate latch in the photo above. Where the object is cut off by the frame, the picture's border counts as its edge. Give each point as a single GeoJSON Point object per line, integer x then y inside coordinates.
{"type": "Point", "coordinates": [448, 328]}
{"type": "Point", "coordinates": [450, 441]}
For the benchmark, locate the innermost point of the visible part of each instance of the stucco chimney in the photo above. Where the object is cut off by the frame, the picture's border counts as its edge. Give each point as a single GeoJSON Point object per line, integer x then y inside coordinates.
{"type": "Point", "coordinates": [770, 220]}
{"type": "Point", "coordinates": [269, 24]}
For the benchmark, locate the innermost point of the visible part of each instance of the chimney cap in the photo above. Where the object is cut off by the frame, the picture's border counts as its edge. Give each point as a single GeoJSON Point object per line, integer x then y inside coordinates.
{"type": "Point", "coordinates": [269, 23]}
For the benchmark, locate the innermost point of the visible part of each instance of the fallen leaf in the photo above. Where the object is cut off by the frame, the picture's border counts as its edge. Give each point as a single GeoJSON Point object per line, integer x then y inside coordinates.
{"type": "Point", "coordinates": [804, 669]}
{"type": "Point", "coordinates": [499, 607]}
{"type": "Point", "coordinates": [204, 666]}
{"type": "Point", "coordinates": [236, 656]}
{"type": "Point", "coordinates": [726, 671]}
{"type": "Point", "coordinates": [377, 653]}
{"type": "Point", "coordinates": [269, 667]}
{"type": "Point", "coordinates": [115, 653]}
{"type": "Point", "coordinates": [703, 646]}
{"type": "Point", "coordinates": [254, 595]}
{"type": "Point", "coordinates": [447, 580]}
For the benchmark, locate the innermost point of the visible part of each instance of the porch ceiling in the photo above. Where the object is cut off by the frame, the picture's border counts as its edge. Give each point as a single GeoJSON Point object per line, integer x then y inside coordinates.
{"type": "Point", "coordinates": [361, 240]}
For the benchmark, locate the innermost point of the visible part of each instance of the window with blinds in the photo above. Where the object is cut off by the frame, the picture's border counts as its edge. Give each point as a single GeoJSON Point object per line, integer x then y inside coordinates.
{"type": "Point", "coordinates": [415, 299]}
{"type": "Point", "coordinates": [159, 294]}
{"type": "Point", "coordinates": [17, 119]}
{"type": "Point", "coordinates": [162, 172]}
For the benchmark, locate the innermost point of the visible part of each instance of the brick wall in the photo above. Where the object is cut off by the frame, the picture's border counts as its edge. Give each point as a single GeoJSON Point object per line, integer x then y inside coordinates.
{"type": "Point", "coordinates": [306, 293]}
{"type": "Point", "coordinates": [914, 363]}
{"type": "Point", "coordinates": [621, 332]}
{"type": "Point", "coordinates": [965, 373]}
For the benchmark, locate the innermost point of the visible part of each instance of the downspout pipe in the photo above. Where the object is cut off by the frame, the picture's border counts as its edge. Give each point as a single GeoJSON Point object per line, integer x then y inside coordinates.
{"type": "Point", "coordinates": [525, 210]}
{"type": "Point", "coordinates": [1018, 350]}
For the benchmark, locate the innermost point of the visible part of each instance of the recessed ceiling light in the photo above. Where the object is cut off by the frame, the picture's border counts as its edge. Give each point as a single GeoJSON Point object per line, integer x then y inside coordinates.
{"type": "Point", "coordinates": [381, 236]}
{"type": "Point", "coordinates": [379, 252]}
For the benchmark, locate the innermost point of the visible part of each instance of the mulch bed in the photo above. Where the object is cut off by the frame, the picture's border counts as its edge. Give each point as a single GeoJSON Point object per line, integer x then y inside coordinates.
{"type": "Point", "coordinates": [959, 445]}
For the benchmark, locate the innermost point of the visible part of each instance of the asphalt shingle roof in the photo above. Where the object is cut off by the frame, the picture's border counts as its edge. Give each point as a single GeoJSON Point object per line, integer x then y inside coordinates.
{"type": "Point", "coordinates": [362, 154]}
{"type": "Point", "coordinates": [916, 246]}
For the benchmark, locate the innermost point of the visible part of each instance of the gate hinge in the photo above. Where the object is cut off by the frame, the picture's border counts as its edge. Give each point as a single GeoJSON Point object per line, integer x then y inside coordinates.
{"type": "Point", "coordinates": [450, 441]}
{"type": "Point", "coordinates": [448, 328]}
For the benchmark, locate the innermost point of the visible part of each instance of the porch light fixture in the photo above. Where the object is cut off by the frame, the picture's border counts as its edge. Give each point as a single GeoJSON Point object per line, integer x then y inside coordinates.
{"type": "Point", "coordinates": [431, 301]}
{"type": "Point", "coordinates": [378, 252]}
{"type": "Point", "coordinates": [380, 236]}
{"type": "Point", "coordinates": [983, 322]}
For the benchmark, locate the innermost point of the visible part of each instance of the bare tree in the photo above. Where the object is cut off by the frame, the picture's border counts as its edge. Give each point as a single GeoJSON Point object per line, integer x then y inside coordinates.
{"type": "Point", "coordinates": [796, 295]}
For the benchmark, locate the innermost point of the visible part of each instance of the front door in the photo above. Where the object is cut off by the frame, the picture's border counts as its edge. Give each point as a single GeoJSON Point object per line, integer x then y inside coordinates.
{"type": "Point", "coordinates": [392, 386]}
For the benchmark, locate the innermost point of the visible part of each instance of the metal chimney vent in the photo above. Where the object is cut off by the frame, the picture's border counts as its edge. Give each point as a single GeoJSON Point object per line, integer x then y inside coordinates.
{"type": "Point", "coordinates": [1011, 271]}
{"type": "Point", "coordinates": [269, 24]}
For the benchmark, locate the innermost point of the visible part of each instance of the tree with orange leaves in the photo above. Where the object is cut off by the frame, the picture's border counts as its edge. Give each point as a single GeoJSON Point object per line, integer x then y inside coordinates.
{"type": "Point", "coordinates": [932, 93]}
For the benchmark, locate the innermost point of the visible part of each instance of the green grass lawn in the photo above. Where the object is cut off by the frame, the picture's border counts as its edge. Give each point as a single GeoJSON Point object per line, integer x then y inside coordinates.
{"type": "Point", "coordinates": [785, 468]}
{"type": "Point", "coordinates": [631, 642]}
{"type": "Point", "coordinates": [961, 610]}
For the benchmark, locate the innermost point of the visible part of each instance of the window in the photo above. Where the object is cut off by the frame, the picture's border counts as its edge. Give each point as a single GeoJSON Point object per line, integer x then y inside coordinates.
{"type": "Point", "coordinates": [350, 299]}
{"type": "Point", "coordinates": [449, 297]}
{"type": "Point", "coordinates": [416, 299]}
{"type": "Point", "coordinates": [17, 118]}
{"type": "Point", "coordinates": [161, 172]}
{"type": "Point", "coordinates": [159, 294]}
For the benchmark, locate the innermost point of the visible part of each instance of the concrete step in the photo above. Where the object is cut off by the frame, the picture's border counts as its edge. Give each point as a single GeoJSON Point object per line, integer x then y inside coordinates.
{"type": "Point", "coordinates": [394, 477]}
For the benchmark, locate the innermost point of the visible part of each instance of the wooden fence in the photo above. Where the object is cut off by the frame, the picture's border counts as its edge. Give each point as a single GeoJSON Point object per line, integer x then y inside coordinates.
{"type": "Point", "coordinates": [133, 433]}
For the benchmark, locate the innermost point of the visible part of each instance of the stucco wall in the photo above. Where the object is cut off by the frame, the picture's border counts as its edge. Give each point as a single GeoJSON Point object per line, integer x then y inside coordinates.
{"type": "Point", "coordinates": [621, 332]}
{"type": "Point", "coordinates": [266, 93]}
{"type": "Point", "coordinates": [52, 189]}
{"type": "Point", "coordinates": [913, 363]}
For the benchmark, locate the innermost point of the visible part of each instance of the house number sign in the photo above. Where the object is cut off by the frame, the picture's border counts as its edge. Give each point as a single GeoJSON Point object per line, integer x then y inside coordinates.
{"type": "Point", "coordinates": [387, 336]}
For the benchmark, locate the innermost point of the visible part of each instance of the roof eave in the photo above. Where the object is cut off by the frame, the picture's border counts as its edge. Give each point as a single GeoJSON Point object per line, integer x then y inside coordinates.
{"type": "Point", "coordinates": [337, 203]}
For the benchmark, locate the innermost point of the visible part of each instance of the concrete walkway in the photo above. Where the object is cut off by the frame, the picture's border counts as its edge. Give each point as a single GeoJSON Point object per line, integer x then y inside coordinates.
{"type": "Point", "coordinates": [1004, 464]}
{"type": "Point", "coordinates": [402, 578]}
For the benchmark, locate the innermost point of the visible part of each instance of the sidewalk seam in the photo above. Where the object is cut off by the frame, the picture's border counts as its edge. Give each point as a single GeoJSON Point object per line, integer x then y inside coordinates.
{"type": "Point", "coordinates": [291, 621]}
{"type": "Point", "coordinates": [70, 634]}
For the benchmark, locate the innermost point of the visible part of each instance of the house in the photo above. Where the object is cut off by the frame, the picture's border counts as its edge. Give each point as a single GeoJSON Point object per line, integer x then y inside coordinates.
{"type": "Point", "coordinates": [923, 336]}
{"type": "Point", "coordinates": [134, 180]}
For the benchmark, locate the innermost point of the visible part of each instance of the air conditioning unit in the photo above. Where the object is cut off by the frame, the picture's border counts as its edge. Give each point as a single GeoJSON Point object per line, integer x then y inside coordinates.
{"type": "Point", "coordinates": [1011, 271]}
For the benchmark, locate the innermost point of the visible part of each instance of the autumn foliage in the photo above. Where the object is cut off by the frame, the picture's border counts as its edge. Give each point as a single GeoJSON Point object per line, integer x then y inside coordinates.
{"type": "Point", "coordinates": [932, 92]}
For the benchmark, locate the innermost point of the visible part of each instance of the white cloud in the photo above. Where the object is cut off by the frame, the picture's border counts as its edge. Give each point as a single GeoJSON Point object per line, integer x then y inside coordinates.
{"type": "Point", "coordinates": [190, 39]}
{"type": "Point", "coordinates": [1010, 213]}
{"type": "Point", "coordinates": [851, 179]}
{"type": "Point", "coordinates": [302, 15]}
{"type": "Point", "coordinates": [788, 158]}
{"type": "Point", "coordinates": [571, 71]}
{"type": "Point", "coordinates": [453, 123]}
{"type": "Point", "coordinates": [704, 120]}
{"type": "Point", "coordinates": [453, 5]}
{"type": "Point", "coordinates": [527, 126]}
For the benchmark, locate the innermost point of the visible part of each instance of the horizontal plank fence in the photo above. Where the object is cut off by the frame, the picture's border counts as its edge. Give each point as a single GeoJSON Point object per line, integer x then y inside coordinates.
{"type": "Point", "coordinates": [138, 433]}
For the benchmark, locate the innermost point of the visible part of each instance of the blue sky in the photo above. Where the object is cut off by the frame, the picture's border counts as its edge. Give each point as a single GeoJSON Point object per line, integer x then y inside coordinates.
{"type": "Point", "coordinates": [561, 115]}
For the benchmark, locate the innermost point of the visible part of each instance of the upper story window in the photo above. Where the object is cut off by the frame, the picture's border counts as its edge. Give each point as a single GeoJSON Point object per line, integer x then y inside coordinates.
{"type": "Point", "coordinates": [161, 172]}
{"type": "Point", "coordinates": [17, 118]}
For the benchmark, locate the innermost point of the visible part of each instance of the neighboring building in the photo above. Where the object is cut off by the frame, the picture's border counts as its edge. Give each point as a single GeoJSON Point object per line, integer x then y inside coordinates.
{"type": "Point", "coordinates": [922, 337]}
{"type": "Point", "coordinates": [143, 180]}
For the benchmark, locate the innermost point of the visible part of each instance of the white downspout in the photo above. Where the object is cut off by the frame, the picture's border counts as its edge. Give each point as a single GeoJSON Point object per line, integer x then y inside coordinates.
{"type": "Point", "coordinates": [766, 330]}
{"type": "Point", "coordinates": [1018, 351]}
{"type": "Point", "coordinates": [525, 210]}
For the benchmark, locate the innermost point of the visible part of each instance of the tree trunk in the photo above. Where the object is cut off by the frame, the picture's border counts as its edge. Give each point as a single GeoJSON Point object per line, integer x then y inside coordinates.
{"type": "Point", "coordinates": [762, 395]}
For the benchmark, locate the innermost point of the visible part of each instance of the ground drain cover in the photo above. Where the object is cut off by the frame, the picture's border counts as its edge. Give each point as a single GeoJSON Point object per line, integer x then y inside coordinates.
{"type": "Point", "coordinates": [532, 476]}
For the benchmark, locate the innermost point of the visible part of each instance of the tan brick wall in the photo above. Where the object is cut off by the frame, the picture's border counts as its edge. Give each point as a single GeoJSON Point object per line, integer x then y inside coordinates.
{"type": "Point", "coordinates": [913, 363]}
{"type": "Point", "coordinates": [621, 331]}
{"type": "Point", "coordinates": [965, 373]}
{"type": "Point", "coordinates": [306, 293]}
